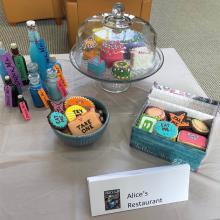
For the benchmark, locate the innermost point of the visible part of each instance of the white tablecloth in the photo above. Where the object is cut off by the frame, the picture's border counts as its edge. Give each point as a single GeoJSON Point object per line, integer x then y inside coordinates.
{"type": "Point", "coordinates": [42, 178]}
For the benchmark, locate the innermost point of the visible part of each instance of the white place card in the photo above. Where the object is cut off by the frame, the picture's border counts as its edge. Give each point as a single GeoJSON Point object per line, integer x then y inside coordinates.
{"type": "Point", "coordinates": [135, 189]}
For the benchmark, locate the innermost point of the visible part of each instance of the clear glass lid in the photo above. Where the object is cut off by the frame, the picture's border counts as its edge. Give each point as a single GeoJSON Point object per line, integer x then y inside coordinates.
{"type": "Point", "coordinates": [116, 47]}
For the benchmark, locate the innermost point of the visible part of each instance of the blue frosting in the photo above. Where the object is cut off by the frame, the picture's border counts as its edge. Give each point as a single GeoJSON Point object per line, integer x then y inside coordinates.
{"type": "Point", "coordinates": [58, 120]}
{"type": "Point", "coordinates": [96, 65]}
{"type": "Point", "coordinates": [166, 129]}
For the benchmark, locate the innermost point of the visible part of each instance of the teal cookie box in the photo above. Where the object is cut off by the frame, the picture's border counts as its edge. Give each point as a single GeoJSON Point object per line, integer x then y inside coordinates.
{"type": "Point", "coordinates": [174, 100]}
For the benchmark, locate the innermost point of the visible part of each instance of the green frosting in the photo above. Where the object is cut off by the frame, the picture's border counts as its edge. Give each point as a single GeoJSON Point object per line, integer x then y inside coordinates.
{"type": "Point", "coordinates": [121, 70]}
{"type": "Point", "coordinates": [146, 123]}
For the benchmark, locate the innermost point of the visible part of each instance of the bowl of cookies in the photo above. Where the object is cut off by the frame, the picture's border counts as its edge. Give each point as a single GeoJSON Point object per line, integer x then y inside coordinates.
{"type": "Point", "coordinates": [78, 121]}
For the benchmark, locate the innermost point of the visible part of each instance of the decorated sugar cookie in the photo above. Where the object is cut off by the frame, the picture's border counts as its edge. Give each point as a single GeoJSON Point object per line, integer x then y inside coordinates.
{"type": "Point", "coordinates": [56, 107]}
{"type": "Point", "coordinates": [57, 120]}
{"type": "Point", "coordinates": [89, 48]}
{"type": "Point", "coordinates": [89, 43]}
{"type": "Point", "coordinates": [73, 111]}
{"type": "Point", "coordinates": [147, 123]}
{"type": "Point", "coordinates": [70, 114]}
{"type": "Point", "coordinates": [166, 129]}
{"type": "Point", "coordinates": [85, 124]}
{"type": "Point", "coordinates": [199, 126]}
{"type": "Point", "coordinates": [179, 119]}
{"type": "Point", "coordinates": [156, 112]}
{"type": "Point", "coordinates": [192, 139]}
{"type": "Point", "coordinates": [79, 100]}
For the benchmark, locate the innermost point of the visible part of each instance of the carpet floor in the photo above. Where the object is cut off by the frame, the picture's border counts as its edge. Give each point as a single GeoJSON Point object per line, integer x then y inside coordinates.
{"type": "Point", "coordinates": [191, 27]}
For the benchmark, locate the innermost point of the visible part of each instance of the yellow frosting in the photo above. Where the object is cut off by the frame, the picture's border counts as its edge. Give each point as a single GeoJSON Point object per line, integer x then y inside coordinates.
{"type": "Point", "coordinates": [73, 111]}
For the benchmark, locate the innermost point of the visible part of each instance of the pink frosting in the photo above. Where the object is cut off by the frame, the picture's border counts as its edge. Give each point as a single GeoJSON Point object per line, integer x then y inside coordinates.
{"type": "Point", "coordinates": [112, 51]}
{"type": "Point", "coordinates": [191, 138]}
{"type": "Point", "coordinates": [96, 60]}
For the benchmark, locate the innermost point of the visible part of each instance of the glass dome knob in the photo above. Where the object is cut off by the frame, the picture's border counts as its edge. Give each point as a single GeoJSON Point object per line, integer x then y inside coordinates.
{"type": "Point", "coordinates": [117, 19]}
{"type": "Point", "coordinates": [118, 10]}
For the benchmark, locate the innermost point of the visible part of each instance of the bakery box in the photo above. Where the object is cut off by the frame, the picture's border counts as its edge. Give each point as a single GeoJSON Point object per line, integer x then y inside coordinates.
{"type": "Point", "coordinates": [174, 125]}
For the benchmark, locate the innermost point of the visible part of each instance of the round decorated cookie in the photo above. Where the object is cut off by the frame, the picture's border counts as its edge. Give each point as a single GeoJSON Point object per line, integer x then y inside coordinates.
{"type": "Point", "coordinates": [73, 111]}
{"type": "Point", "coordinates": [89, 43]}
{"type": "Point", "coordinates": [199, 127]}
{"type": "Point", "coordinates": [89, 48]}
{"type": "Point", "coordinates": [146, 123]}
{"type": "Point", "coordinates": [166, 129]}
{"type": "Point", "coordinates": [156, 112]}
{"type": "Point", "coordinates": [121, 70]}
{"type": "Point", "coordinates": [79, 100]}
{"type": "Point", "coordinates": [58, 120]}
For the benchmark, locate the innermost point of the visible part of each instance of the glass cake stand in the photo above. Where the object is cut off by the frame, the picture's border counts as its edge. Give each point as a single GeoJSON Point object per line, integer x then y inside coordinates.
{"type": "Point", "coordinates": [106, 79]}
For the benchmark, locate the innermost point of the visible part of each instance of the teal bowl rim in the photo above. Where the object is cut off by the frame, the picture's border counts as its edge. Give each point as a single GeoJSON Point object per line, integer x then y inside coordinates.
{"type": "Point", "coordinates": [93, 133]}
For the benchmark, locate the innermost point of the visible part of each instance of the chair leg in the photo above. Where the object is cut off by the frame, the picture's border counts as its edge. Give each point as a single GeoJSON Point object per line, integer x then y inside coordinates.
{"type": "Point", "coordinates": [58, 21]}
{"type": "Point", "coordinates": [146, 9]}
{"type": "Point", "coordinates": [72, 21]}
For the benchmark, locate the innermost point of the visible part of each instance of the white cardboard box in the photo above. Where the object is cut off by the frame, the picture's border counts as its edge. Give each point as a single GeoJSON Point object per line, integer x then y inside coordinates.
{"type": "Point", "coordinates": [138, 188]}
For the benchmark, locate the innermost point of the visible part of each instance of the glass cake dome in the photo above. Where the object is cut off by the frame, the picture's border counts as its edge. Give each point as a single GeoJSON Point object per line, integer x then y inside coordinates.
{"type": "Point", "coordinates": [116, 49]}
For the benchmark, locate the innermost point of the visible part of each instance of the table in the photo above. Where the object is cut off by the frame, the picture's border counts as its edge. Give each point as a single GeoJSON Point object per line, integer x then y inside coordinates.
{"type": "Point", "coordinates": [41, 178]}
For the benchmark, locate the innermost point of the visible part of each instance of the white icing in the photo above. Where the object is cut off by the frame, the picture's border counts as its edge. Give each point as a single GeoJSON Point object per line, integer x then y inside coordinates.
{"type": "Point", "coordinates": [141, 58]}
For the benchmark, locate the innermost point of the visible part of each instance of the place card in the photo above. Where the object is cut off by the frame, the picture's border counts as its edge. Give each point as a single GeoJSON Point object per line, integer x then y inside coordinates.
{"type": "Point", "coordinates": [24, 111]}
{"type": "Point", "coordinates": [8, 95]}
{"type": "Point", "coordinates": [12, 70]}
{"type": "Point", "coordinates": [43, 96]}
{"type": "Point", "coordinates": [61, 88]}
{"type": "Point", "coordinates": [43, 49]}
{"type": "Point", "coordinates": [60, 74]}
{"type": "Point", "coordinates": [136, 189]}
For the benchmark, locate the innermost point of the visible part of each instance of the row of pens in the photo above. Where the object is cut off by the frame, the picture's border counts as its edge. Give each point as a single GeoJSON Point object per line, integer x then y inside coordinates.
{"type": "Point", "coordinates": [43, 74]}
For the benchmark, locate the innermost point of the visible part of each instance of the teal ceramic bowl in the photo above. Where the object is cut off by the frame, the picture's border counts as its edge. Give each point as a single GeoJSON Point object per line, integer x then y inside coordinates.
{"type": "Point", "coordinates": [89, 138]}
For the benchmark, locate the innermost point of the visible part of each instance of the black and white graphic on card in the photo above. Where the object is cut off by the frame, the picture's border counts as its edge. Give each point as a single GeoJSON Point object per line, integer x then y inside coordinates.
{"type": "Point", "coordinates": [112, 199]}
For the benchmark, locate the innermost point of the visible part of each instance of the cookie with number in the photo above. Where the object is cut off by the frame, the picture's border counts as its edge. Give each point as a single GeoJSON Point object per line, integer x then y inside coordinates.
{"type": "Point", "coordinates": [199, 126]}
{"type": "Point", "coordinates": [57, 120]}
